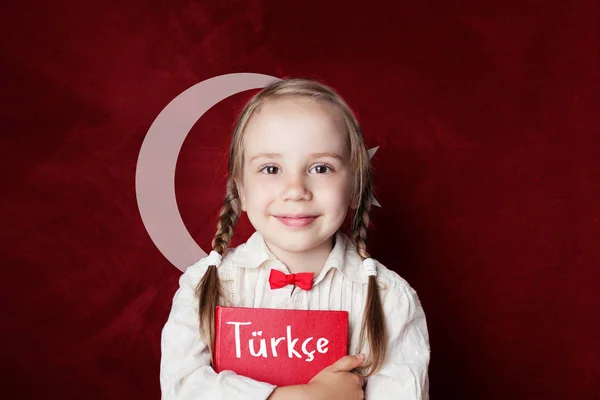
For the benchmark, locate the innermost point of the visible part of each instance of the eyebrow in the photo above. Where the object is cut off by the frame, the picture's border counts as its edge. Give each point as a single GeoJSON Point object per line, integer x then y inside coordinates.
{"type": "Point", "coordinates": [314, 155]}
{"type": "Point", "coordinates": [265, 155]}
{"type": "Point", "coordinates": [331, 155]}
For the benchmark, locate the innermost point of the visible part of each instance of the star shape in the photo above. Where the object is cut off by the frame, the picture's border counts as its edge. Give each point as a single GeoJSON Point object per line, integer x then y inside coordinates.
{"type": "Point", "coordinates": [371, 154]}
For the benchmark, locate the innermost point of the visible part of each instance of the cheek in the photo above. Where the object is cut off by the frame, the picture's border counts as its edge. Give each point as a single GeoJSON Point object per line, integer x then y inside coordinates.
{"type": "Point", "coordinates": [262, 193]}
{"type": "Point", "coordinates": [338, 193]}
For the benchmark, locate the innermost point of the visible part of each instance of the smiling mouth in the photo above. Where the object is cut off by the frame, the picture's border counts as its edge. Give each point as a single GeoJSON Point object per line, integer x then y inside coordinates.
{"type": "Point", "coordinates": [296, 221]}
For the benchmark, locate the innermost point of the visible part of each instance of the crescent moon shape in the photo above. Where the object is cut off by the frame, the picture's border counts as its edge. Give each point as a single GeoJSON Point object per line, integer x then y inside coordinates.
{"type": "Point", "coordinates": [155, 171]}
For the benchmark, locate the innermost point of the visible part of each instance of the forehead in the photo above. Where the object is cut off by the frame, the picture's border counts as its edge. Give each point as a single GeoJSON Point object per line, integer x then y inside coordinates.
{"type": "Point", "coordinates": [296, 126]}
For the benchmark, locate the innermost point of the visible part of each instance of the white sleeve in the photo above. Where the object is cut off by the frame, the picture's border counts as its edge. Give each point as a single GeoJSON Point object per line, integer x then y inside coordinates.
{"type": "Point", "coordinates": [404, 375]}
{"type": "Point", "coordinates": [185, 371]}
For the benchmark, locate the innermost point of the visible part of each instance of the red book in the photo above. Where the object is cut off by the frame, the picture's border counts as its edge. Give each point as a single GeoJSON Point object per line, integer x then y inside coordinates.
{"type": "Point", "coordinates": [281, 347]}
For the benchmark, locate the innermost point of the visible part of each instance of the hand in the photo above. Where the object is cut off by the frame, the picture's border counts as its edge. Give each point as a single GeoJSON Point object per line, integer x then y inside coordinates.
{"type": "Point", "coordinates": [338, 382]}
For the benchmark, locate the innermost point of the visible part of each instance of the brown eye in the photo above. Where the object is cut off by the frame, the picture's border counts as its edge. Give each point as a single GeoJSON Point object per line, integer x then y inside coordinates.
{"type": "Point", "coordinates": [271, 170]}
{"type": "Point", "coordinates": [321, 169]}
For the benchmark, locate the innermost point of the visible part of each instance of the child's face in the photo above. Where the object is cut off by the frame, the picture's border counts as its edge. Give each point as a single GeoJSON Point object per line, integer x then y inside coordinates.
{"type": "Point", "coordinates": [297, 183]}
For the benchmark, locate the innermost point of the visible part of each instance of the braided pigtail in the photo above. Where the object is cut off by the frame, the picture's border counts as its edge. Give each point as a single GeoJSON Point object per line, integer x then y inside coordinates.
{"type": "Point", "coordinates": [373, 324]}
{"type": "Point", "coordinates": [209, 288]}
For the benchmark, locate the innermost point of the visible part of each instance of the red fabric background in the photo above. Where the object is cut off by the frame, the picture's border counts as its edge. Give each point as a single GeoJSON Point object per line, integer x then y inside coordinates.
{"type": "Point", "coordinates": [486, 114]}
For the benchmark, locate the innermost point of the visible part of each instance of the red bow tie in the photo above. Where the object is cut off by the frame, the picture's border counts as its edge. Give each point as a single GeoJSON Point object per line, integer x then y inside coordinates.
{"type": "Point", "coordinates": [278, 279]}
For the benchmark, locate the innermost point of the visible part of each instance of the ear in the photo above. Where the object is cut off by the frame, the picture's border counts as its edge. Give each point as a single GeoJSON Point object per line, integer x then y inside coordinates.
{"type": "Point", "coordinates": [241, 194]}
{"type": "Point", "coordinates": [353, 202]}
{"type": "Point", "coordinates": [354, 199]}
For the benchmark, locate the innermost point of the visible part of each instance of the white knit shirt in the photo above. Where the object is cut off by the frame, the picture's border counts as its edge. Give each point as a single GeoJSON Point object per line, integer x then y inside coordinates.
{"type": "Point", "coordinates": [185, 371]}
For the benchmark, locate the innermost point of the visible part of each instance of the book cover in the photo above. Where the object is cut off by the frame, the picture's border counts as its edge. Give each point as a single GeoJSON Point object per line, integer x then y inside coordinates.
{"type": "Point", "coordinates": [281, 347]}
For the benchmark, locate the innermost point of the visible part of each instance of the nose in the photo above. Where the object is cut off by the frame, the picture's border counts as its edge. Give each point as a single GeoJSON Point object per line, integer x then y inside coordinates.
{"type": "Point", "coordinates": [296, 188]}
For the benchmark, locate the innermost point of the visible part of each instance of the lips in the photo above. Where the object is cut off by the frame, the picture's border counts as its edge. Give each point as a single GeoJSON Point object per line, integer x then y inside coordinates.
{"type": "Point", "coordinates": [296, 221]}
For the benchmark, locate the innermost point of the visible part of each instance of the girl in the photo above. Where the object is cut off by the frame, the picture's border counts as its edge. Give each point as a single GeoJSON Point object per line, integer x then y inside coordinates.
{"type": "Point", "coordinates": [297, 164]}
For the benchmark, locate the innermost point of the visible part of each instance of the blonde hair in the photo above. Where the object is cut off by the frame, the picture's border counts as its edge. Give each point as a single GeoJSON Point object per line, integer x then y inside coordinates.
{"type": "Point", "coordinates": [373, 324]}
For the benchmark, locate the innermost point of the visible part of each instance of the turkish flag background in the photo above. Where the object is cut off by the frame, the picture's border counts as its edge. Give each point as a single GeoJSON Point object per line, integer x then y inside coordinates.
{"type": "Point", "coordinates": [488, 172]}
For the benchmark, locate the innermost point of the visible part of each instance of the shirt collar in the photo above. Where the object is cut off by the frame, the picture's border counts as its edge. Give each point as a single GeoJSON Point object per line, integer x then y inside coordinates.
{"type": "Point", "coordinates": [343, 257]}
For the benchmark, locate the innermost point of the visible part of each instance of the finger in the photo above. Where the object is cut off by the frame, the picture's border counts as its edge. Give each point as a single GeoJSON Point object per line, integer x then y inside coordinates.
{"type": "Point", "coordinates": [360, 380]}
{"type": "Point", "coordinates": [348, 363]}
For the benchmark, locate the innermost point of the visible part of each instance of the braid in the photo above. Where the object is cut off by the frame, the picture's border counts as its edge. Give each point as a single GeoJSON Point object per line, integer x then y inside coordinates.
{"type": "Point", "coordinates": [373, 324]}
{"type": "Point", "coordinates": [209, 288]}
{"type": "Point", "coordinates": [362, 220]}
{"type": "Point", "coordinates": [228, 218]}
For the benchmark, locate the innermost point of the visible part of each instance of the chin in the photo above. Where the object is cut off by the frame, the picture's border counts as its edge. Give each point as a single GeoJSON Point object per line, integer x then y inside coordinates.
{"type": "Point", "coordinates": [291, 246]}
{"type": "Point", "coordinates": [296, 242]}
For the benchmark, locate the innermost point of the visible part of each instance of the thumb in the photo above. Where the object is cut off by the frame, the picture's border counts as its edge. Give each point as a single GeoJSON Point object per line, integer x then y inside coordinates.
{"type": "Point", "coordinates": [348, 363]}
